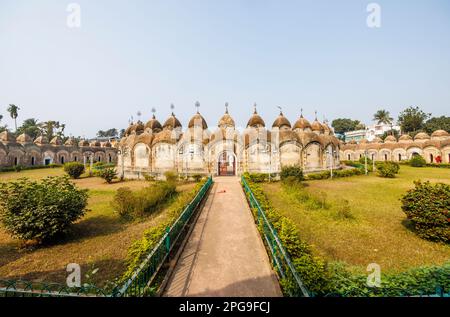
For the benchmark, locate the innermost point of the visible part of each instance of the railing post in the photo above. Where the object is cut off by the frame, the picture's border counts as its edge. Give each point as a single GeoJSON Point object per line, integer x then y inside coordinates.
{"type": "Point", "coordinates": [167, 240]}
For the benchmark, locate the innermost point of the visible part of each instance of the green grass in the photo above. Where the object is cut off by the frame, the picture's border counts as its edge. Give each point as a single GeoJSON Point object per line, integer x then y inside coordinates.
{"type": "Point", "coordinates": [100, 239]}
{"type": "Point", "coordinates": [358, 220]}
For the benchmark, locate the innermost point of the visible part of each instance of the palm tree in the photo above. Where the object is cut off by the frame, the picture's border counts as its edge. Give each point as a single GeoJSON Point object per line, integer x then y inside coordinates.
{"type": "Point", "coordinates": [14, 113]}
{"type": "Point", "coordinates": [383, 116]}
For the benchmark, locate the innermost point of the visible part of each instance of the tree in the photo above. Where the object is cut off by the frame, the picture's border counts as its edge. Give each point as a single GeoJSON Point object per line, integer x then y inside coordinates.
{"type": "Point", "coordinates": [437, 123]}
{"type": "Point", "coordinates": [390, 132]}
{"type": "Point", "coordinates": [14, 113]}
{"type": "Point", "coordinates": [2, 128]}
{"type": "Point", "coordinates": [122, 133]}
{"type": "Point", "coordinates": [51, 128]}
{"type": "Point", "coordinates": [30, 127]}
{"type": "Point", "coordinates": [108, 133]}
{"type": "Point", "coordinates": [383, 116]}
{"type": "Point", "coordinates": [412, 119]}
{"type": "Point", "coordinates": [342, 125]}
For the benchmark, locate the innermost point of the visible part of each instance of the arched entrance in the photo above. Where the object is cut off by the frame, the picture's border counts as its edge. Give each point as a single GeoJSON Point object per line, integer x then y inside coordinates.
{"type": "Point", "coordinates": [226, 164]}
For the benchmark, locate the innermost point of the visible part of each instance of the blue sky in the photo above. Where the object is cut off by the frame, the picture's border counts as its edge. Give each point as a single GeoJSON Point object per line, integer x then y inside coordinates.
{"type": "Point", "coordinates": [135, 55]}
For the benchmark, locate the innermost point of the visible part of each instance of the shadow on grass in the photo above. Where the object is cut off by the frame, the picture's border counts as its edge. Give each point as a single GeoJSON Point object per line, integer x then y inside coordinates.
{"type": "Point", "coordinates": [108, 270]}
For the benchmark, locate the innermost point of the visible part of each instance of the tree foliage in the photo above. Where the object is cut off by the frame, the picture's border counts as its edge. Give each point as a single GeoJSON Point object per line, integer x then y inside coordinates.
{"type": "Point", "coordinates": [437, 123]}
{"type": "Point", "coordinates": [383, 117]}
{"type": "Point", "coordinates": [342, 125]}
{"type": "Point", "coordinates": [39, 211]}
{"type": "Point", "coordinates": [412, 119]}
{"type": "Point", "coordinates": [108, 133]}
{"type": "Point", "coordinates": [30, 127]}
{"type": "Point", "coordinates": [427, 205]}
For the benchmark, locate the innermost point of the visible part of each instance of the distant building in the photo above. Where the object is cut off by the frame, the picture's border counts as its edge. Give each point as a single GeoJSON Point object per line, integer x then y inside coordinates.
{"type": "Point", "coordinates": [370, 133]}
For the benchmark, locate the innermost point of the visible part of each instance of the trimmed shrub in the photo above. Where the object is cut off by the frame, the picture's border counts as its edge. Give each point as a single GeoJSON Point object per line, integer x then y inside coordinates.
{"type": "Point", "coordinates": [293, 172]}
{"type": "Point", "coordinates": [171, 176]}
{"type": "Point", "coordinates": [108, 174]}
{"type": "Point", "coordinates": [133, 204]}
{"type": "Point", "coordinates": [258, 177]}
{"type": "Point", "coordinates": [427, 206]}
{"type": "Point", "coordinates": [417, 161]}
{"type": "Point", "coordinates": [74, 169]}
{"type": "Point", "coordinates": [388, 169]}
{"type": "Point", "coordinates": [39, 211]}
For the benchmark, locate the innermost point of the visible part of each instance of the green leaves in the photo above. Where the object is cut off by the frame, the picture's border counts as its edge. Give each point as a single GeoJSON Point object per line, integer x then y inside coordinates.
{"type": "Point", "coordinates": [428, 206]}
{"type": "Point", "coordinates": [74, 169]}
{"type": "Point", "coordinates": [31, 210]}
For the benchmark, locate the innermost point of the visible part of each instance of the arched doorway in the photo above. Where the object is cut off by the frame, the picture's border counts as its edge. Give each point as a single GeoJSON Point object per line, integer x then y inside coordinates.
{"type": "Point", "coordinates": [226, 164]}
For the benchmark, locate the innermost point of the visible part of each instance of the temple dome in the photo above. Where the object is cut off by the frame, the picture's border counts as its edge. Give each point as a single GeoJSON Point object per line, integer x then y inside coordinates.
{"type": "Point", "coordinates": [70, 142]}
{"type": "Point", "coordinates": [281, 121]}
{"type": "Point", "coordinates": [377, 140]}
{"type": "Point", "coordinates": [196, 120]}
{"type": "Point", "coordinates": [23, 138]}
{"type": "Point", "coordinates": [317, 126]}
{"type": "Point", "coordinates": [302, 124]}
{"type": "Point", "coordinates": [83, 143]}
{"type": "Point", "coordinates": [153, 124]}
{"type": "Point", "coordinates": [226, 121]}
{"type": "Point", "coordinates": [439, 133]}
{"type": "Point", "coordinates": [255, 121]}
{"type": "Point", "coordinates": [172, 123]}
{"type": "Point", "coordinates": [405, 138]}
{"type": "Point", "coordinates": [40, 140]}
{"type": "Point", "coordinates": [390, 139]}
{"type": "Point", "coordinates": [422, 136]}
{"type": "Point", "coordinates": [56, 141]}
{"type": "Point", "coordinates": [7, 136]}
{"type": "Point", "coordinates": [138, 128]}
{"type": "Point", "coordinates": [95, 143]}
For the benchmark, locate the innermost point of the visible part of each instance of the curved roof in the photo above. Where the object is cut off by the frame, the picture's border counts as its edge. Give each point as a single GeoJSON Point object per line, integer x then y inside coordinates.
{"type": "Point", "coordinates": [83, 143]}
{"type": "Point", "coordinates": [439, 133]}
{"type": "Point", "coordinates": [95, 143]}
{"type": "Point", "coordinates": [41, 140]}
{"type": "Point", "coordinates": [405, 138]}
{"type": "Point", "coordinates": [226, 121]}
{"type": "Point", "coordinates": [7, 136]}
{"type": "Point", "coordinates": [421, 136]}
{"type": "Point", "coordinates": [255, 120]}
{"type": "Point", "coordinates": [196, 120]}
{"type": "Point", "coordinates": [153, 124]}
{"type": "Point", "coordinates": [172, 123]}
{"type": "Point", "coordinates": [281, 121]}
{"type": "Point", "coordinates": [70, 142]}
{"type": "Point", "coordinates": [302, 123]}
{"type": "Point", "coordinates": [23, 138]}
{"type": "Point", "coordinates": [145, 138]}
{"type": "Point", "coordinates": [317, 126]}
{"type": "Point", "coordinates": [56, 141]}
{"type": "Point", "coordinates": [164, 136]}
{"type": "Point", "coordinates": [377, 140]}
{"type": "Point", "coordinates": [390, 139]}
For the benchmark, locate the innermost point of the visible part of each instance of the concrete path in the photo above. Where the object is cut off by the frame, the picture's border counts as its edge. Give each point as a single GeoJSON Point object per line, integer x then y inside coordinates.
{"type": "Point", "coordinates": [225, 255]}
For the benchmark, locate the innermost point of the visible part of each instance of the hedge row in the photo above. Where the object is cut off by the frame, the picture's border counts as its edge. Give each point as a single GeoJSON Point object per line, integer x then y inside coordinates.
{"type": "Point", "coordinates": [140, 248]}
{"type": "Point", "coordinates": [19, 168]}
{"type": "Point", "coordinates": [336, 279]}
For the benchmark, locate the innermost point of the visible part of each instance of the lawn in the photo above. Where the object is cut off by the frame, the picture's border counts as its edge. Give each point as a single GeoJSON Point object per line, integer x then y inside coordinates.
{"type": "Point", "coordinates": [358, 220]}
{"type": "Point", "coordinates": [99, 240]}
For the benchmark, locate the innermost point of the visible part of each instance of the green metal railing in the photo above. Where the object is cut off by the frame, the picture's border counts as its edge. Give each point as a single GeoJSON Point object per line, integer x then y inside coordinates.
{"type": "Point", "coordinates": [141, 280]}
{"type": "Point", "coordinates": [280, 258]}
{"type": "Point", "coordinates": [136, 286]}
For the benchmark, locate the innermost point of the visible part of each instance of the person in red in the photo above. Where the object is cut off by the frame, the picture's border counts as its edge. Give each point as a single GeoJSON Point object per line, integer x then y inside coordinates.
{"type": "Point", "coordinates": [438, 159]}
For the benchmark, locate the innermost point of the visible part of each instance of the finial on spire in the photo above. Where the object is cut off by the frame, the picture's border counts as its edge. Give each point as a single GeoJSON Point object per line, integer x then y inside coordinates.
{"type": "Point", "coordinates": [316, 114]}
{"type": "Point", "coordinates": [281, 110]}
{"type": "Point", "coordinates": [172, 107]}
{"type": "Point", "coordinates": [153, 111]}
{"type": "Point", "coordinates": [226, 107]}
{"type": "Point", "coordinates": [254, 108]}
{"type": "Point", "coordinates": [197, 105]}
{"type": "Point", "coordinates": [301, 112]}
{"type": "Point", "coordinates": [139, 114]}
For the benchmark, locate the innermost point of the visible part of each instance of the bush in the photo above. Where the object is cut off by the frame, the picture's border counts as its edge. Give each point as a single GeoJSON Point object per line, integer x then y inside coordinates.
{"type": "Point", "coordinates": [171, 176]}
{"type": "Point", "coordinates": [294, 172]}
{"type": "Point", "coordinates": [388, 169]}
{"type": "Point", "coordinates": [108, 174]}
{"type": "Point", "coordinates": [18, 168]}
{"type": "Point", "coordinates": [362, 160]}
{"type": "Point", "coordinates": [31, 210]}
{"type": "Point", "coordinates": [74, 169]}
{"type": "Point", "coordinates": [427, 206]}
{"type": "Point", "coordinates": [144, 201]}
{"type": "Point", "coordinates": [197, 177]}
{"type": "Point", "coordinates": [258, 177]}
{"type": "Point", "coordinates": [318, 176]}
{"type": "Point", "coordinates": [417, 161]}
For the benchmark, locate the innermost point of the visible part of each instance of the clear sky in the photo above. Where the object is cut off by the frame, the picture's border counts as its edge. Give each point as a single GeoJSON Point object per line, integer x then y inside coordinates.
{"type": "Point", "coordinates": [135, 55]}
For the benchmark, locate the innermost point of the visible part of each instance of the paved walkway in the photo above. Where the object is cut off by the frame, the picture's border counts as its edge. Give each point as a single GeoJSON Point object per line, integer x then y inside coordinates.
{"type": "Point", "coordinates": [225, 255]}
